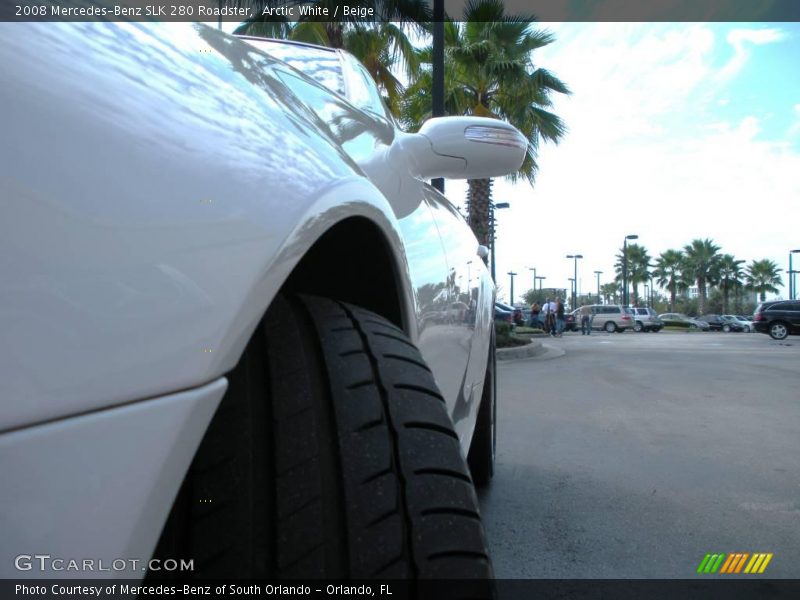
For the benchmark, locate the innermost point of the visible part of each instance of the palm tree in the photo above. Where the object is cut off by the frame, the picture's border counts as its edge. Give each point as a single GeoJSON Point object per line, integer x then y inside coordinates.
{"type": "Point", "coordinates": [328, 33]}
{"type": "Point", "coordinates": [383, 47]}
{"type": "Point", "coordinates": [702, 266]}
{"type": "Point", "coordinates": [489, 72]}
{"type": "Point", "coordinates": [669, 273]}
{"type": "Point", "coordinates": [638, 265]}
{"type": "Point", "coordinates": [609, 291]}
{"type": "Point", "coordinates": [762, 277]}
{"type": "Point", "coordinates": [730, 276]}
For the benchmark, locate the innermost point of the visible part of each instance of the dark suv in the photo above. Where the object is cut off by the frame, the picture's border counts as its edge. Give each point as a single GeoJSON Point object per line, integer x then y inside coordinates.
{"type": "Point", "coordinates": [778, 318]}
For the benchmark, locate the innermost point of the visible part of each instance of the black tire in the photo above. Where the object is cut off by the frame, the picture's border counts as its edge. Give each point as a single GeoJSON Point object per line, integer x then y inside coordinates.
{"type": "Point", "coordinates": [726, 328]}
{"type": "Point", "coordinates": [331, 456]}
{"type": "Point", "coordinates": [483, 449]}
{"type": "Point", "coordinates": [610, 327]}
{"type": "Point", "coordinates": [637, 327]}
{"type": "Point", "coordinates": [778, 330]}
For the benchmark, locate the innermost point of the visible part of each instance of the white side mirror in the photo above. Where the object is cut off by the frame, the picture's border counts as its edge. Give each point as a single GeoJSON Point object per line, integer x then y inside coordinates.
{"type": "Point", "coordinates": [470, 148]}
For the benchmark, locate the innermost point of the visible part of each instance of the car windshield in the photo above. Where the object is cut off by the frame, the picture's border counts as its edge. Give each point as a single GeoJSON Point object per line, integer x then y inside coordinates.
{"type": "Point", "coordinates": [318, 63]}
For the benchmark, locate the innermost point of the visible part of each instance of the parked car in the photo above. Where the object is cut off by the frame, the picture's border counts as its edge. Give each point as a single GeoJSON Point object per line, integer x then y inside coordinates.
{"type": "Point", "coordinates": [734, 324]}
{"type": "Point", "coordinates": [681, 320]}
{"type": "Point", "coordinates": [611, 317]}
{"type": "Point", "coordinates": [721, 323]}
{"type": "Point", "coordinates": [779, 318]}
{"type": "Point", "coordinates": [516, 313]}
{"type": "Point", "coordinates": [216, 272]}
{"type": "Point", "coordinates": [746, 321]}
{"type": "Point", "coordinates": [608, 317]}
{"type": "Point", "coordinates": [572, 321]}
{"type": "Point", "coordinates": [646, 319]}
{"type": "Point", "coordinates": [503, 315]}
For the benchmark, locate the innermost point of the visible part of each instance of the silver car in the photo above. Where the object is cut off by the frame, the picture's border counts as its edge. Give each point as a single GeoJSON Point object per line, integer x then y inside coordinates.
{"type": "Point", "coordinates": [646, 319]}
{"type": "Point", "coordinates": [611, 317]}
{"type": "Point", "coordinates": [746, 324]}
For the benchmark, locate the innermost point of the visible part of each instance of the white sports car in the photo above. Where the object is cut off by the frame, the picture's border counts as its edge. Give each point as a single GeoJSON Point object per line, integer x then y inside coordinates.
{"type": "Point", "coordinates": [215, 273]}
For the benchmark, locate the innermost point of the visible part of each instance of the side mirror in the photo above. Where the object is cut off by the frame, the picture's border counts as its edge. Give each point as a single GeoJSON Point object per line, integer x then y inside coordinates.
{"type": "Point", "coordinates": [469, 148]}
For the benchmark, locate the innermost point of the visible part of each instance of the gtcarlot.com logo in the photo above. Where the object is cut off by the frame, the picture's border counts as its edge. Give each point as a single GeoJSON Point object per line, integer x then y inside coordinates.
{"type": "Point", "coordinates": [46, 562]}
{"type": "Point", "coordinates": [734, 563]}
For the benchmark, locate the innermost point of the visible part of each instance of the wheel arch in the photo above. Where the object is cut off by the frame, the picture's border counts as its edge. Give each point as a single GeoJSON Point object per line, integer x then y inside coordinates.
{"type": "Point", "coordinates": [353, 262]}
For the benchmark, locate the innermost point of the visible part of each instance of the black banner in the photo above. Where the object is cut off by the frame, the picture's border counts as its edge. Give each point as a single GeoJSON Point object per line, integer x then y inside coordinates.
{"type": "Point", "coordinates": [733, 588]}
{"type": "Point", "coordinates": [379, 10]}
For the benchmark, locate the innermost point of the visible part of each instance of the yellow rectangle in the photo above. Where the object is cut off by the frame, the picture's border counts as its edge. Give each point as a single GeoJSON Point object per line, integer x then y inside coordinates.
{"type": "Point", "coordinates": [765, 563]}
{"type": "Point", "coordinates": [753, 563]}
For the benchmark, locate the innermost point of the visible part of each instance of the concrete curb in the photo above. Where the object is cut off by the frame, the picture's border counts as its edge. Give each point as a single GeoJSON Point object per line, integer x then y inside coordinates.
{"type": "Point", "coordinates": [534, 349]}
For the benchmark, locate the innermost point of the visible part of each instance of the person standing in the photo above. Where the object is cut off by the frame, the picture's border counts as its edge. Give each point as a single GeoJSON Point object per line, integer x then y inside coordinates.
{"type": "Point", "coordinates": [559, 316]}
{"type": "Point", "coordinates": [546, 314]}
{"type": "Point", "coordinates": [535, 309]}
{"type": "Point", "coordinates": [551, 308]}
{"type": "Point", "coordinates": [586, 320]}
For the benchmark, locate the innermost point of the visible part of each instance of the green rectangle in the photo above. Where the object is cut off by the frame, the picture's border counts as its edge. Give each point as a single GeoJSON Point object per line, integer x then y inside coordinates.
{"type": "Point", "coordinates": [703, 563]}
{"type": "Point", "coordinates": [718, 564]}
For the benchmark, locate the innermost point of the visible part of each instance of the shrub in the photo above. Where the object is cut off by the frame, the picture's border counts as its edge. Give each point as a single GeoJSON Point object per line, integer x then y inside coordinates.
{"type": "Point", "coordinates": [504, 336]}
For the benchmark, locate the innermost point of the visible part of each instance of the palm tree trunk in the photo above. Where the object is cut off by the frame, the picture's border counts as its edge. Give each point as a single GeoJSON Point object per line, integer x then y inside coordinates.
{"type": "Point", "coordinates": [725, 299]}
{"type": "Point", "coordinates": [701, 293]}
{"type": "Point", "coordinates": [335, 34]}
{"type": "Point", "coordinates": [479, 197]}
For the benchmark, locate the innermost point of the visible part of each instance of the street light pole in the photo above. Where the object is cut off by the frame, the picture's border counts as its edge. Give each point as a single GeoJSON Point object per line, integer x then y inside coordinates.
{"type": "Point", "coordinates": [512, 287]}
{"type": "Point", "coordinates": [625, 267]}
{"type": "Point", "coordinates": [792, 286]}
{"type": "Point", "coordinates": [492, 207]}
{"type": "Point", "coordinates": [437, 91]}
{"type": "Point", "coordinates": [575, 257]}
{"type": "Point", "coordinates": [598, 273]}
{"type": "Point", "coordinates": [534, 278]}
{"type": "Point", "coordinates": [572, 286]}
{"type": "Point", "coordinates": [540, 279]}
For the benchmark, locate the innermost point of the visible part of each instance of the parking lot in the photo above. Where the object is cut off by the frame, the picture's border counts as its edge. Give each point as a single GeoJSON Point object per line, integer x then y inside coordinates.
{"type": "Point", "coordinates": [634, 455]}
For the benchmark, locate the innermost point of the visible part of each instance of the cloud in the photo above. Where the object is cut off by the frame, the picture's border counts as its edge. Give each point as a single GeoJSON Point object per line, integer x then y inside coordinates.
{"type": "Point", "coordinates": [741, 40]}
{"type": "Point", "coordinates": [650, 151]}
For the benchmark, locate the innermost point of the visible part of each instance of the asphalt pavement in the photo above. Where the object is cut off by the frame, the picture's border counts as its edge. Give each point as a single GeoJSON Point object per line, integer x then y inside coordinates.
{"type": "Point", "coordinates": [633, 455]}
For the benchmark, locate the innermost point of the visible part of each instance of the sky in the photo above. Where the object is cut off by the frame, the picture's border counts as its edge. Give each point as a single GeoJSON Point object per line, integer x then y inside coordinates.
{"type": "Point", "coordinates": [676, 132]}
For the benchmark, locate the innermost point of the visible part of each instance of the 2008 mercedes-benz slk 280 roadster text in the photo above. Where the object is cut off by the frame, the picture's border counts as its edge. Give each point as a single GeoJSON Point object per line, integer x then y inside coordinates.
{"type": "Point", "coordinates": [217, 278]}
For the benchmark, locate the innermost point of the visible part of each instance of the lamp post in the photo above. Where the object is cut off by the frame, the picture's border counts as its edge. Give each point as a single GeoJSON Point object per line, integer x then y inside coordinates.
{"type": "Point", "coordinates": [534, 278]}
{"type": "Point", "coordinates": [625, 267]}
{"type": "Point", "coordinates": [492, 207]}
{"type": "Point", "coordinates": [540, 279]}
{"type": "Point", "coordinates": [575, 257]}
{"type": "Point", "coordinates": [511, 273]}
{"type": "Point", "coordinates": [792, 286]}
{"type": "Point", "coordinates": [572, 286]}
{"type": "Point", "coordinates": [598, 273]}
{"type": "Point", "coordinates": [437, 91]}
